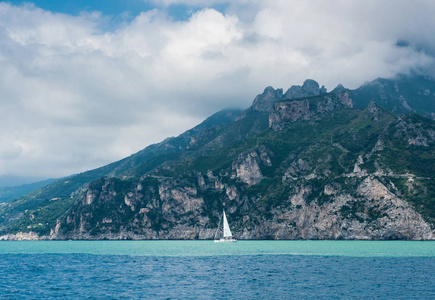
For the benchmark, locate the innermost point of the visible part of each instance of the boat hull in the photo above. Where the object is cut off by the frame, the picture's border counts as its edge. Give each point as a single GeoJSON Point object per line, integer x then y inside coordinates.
{"type": "Point", "coordinates": [225, 240]}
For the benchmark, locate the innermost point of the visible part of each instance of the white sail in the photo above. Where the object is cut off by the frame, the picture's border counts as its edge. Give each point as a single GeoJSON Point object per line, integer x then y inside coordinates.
{"type": "Point", "coordinates": [227, 231]}
{"type": "Point", "coordinates": [228, 237]}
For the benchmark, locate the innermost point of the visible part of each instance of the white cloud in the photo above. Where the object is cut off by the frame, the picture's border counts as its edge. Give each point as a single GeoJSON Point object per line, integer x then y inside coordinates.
{"type": "Point", "coordinates": [207, 30]}
{"type": "Point", "coordinates": [269, 23]}
{"type": "Point", "coordinates": [74, 97]}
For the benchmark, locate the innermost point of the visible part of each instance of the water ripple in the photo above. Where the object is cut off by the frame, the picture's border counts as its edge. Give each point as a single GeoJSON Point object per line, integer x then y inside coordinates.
{"type": "Point", "coordinates": [84, 276]}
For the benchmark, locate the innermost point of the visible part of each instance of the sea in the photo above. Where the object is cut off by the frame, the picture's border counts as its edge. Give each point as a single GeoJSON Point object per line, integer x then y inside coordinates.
{"type": "Point", "coordinates": [208, 270]}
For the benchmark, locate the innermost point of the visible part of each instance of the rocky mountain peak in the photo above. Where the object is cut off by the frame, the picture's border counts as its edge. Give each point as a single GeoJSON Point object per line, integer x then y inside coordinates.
{"type": "Point", "coordinates": [339, 88]}
{"type": "Point", "coordinates": [311, 87]}
{"type": "Point", "coordinates": [265, 101]}
{"type": "Point", "coordinates": [308, 89]}
{"type": "Point", "coordinates": [323, 90]}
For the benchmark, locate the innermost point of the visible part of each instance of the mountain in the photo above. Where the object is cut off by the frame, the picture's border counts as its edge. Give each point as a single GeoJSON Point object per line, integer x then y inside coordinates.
{"type": "Point", "coordinates": [52, 201]}
{"type": "Point", "coordinates": [404, 94]}
{"type": "Point", "coordinates": [12, 181]}
{"type": "Point", "coordinates": [304, 164]}
{"type": "Point", "coordinates": [265, 101]}
{"type": "Point", "coordinates": [8, 194]}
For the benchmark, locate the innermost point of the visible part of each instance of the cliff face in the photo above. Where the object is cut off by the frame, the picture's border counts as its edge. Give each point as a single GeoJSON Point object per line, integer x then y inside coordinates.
{"type": "Point", "coordinates": [189, 209]}
{"type": "Point", "coordinates": [372, 213]}
{"type": "Point", "coordinates": [150, 208]}
{"type": "Point", "coordinates": [247, 167]}
{"type": "Point", "coordinates": [304, 109]}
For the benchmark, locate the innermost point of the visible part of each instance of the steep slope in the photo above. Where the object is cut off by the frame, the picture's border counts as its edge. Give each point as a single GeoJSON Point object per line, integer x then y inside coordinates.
{"type": "Point", "coordinates": [8, 194]}
{"type": "Point", "coordinates": [404, 94]}
{"type": "Point", "coordinates": [326, 172]}
{"type": "Point", "coordinates": [52, 201]}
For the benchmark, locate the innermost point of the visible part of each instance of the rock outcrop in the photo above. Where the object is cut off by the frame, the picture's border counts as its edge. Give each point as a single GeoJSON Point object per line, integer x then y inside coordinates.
{"type": "Point", "coordinates": [265, 101]}
{"type": "Point", "coordinates": [310, 88]}
{"type": "Point", "coordinates": [180, 211]}
{"type": "Point", "coordinates": [247, 167]}
{"type": "Point", "coordinates": [22, 236]}
{"type": "Point", "coordinates": [287, 111]}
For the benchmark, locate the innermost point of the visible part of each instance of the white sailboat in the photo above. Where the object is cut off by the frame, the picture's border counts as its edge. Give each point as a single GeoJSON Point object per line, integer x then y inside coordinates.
{"type": "Point", "coordinates": [227, 235]}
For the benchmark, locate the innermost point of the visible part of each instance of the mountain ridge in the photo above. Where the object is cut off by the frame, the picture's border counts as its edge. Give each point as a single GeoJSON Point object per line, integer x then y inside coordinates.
{"type": "Point", "coordinates": [254, 198]}
{"type": "Point", "coordinates": [247, 164]}
{"type": "Point", "coordinates": [10, 193]}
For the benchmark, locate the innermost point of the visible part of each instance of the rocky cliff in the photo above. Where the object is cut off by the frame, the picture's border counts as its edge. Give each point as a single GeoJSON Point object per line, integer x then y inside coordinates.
{"type": "Point", "coordinates": [339, 185]}
{"type": "Point", "coordinates": [371, 212]}
{"type": "Point", "coordinates": [265, 101]}
{"type": "Point", "coordinates": [306, 108]}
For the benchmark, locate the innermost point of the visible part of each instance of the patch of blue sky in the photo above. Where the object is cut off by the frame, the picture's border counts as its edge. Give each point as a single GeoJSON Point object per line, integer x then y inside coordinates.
{"type": "Point", "coordinates": [75, 7]}
{"type": "Point", "coordinates": [118, 10]}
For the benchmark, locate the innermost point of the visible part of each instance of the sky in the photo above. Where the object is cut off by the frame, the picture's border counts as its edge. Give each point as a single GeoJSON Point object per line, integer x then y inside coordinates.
{"type": "Point", "coordinates": [87, 82]}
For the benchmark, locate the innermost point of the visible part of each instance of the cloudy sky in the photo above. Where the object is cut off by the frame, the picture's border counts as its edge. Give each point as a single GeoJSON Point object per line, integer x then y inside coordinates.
{"type": "Point", "coordinates": [87, 82]}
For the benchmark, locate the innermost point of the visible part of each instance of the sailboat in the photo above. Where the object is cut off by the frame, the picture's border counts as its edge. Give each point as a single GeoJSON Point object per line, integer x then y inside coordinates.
{"type": "Point", "coordinates": [227, 236]}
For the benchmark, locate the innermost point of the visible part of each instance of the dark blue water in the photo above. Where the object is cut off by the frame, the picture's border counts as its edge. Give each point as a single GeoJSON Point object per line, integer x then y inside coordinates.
{"type": "Point", "coordinates": [84, 276]}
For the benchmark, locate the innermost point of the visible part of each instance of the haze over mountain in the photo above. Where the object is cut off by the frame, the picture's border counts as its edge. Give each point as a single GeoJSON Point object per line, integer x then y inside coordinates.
{"type": "Point", "coordinates": [14, 191]}
{"type": "Point", "coordinates": [11, 180]}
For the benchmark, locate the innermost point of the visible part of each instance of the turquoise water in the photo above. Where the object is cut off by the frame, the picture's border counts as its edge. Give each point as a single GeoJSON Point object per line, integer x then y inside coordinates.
{"type": "Point", "coordinates": [209, 248]}
{"type": "Point", "coordinates": [208, 270]}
